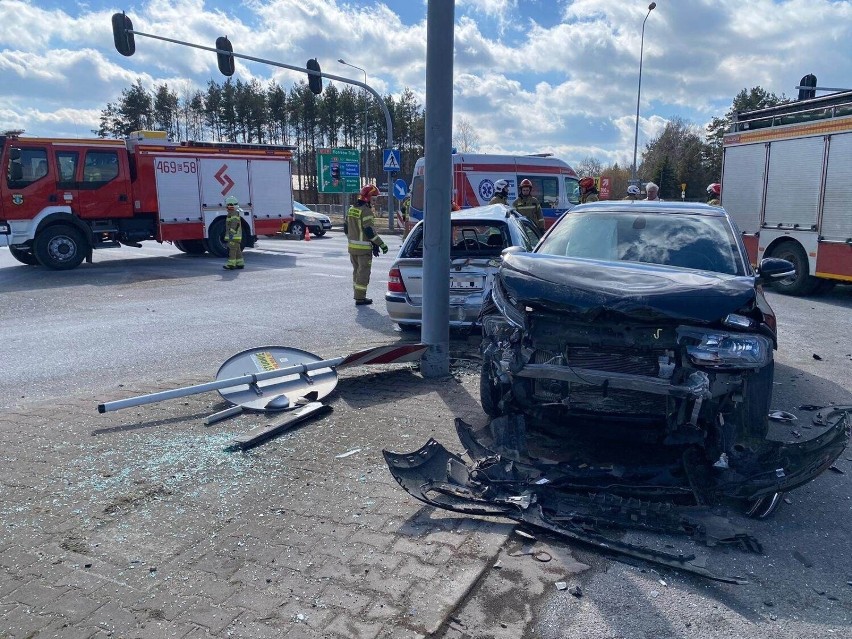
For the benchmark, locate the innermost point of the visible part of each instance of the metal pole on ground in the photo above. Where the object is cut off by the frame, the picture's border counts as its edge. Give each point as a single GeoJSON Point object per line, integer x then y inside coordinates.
{"type": "Point", "coordinates": [440, 19]}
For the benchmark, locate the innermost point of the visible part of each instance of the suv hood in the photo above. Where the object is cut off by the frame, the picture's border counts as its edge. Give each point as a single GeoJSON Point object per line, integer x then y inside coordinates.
{"type": "Point", "coordinates": [587, 288]}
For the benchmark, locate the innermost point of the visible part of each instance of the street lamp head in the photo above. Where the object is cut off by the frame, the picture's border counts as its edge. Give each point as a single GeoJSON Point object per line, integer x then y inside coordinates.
{"type": "Point", "coordinates": [341, 60]}
{"type": "Point", "coordinates": [652, 6]}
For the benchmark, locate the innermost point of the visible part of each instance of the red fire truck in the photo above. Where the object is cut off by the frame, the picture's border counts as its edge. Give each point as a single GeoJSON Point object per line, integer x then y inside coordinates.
{"type": "Point", "coordinates": [787, 182]}
{"type": "Point", "coordinates": [61, 199]}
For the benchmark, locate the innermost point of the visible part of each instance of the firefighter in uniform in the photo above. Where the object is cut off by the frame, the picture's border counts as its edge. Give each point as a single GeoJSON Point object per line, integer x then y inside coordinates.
{"type": "Point", "coordinates": [501, 193]}
{"type": "Point", "coordinates": [363, 242]}
{"type": "Point", "coordinates": [588, 192]}
{"type": "Point", "coordinates": [234, 235]}
{"type": "Point", "coordinates": [528, 206]}
{"type": "Point", "coordinates": [714, 192]}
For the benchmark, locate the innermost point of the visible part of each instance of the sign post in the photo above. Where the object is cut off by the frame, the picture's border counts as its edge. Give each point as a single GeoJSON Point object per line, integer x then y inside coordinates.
{"type": "Point", "coordinates": [390, 164]}
{"type": "Point", "coordinates": [683, 191]}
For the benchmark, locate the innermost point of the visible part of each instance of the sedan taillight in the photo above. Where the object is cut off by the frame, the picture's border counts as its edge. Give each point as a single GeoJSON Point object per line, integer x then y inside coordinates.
{"type": "Point", "coordinates": [395, 283]}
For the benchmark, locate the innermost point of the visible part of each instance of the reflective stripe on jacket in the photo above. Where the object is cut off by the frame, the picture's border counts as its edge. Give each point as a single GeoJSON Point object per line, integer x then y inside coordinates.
{"type": "Point", "coordinates": [359, 218]}
{"type": "Point", "coordinates": [233, 226]}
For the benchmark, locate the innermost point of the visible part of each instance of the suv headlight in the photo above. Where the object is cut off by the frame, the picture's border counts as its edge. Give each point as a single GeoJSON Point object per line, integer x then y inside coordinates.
{"type": "Point", "coordinates": [725, 351]}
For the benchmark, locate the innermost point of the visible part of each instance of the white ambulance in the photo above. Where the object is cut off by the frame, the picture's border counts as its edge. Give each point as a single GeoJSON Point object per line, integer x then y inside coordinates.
{"type": "Point", "coordinates": [554, 182]}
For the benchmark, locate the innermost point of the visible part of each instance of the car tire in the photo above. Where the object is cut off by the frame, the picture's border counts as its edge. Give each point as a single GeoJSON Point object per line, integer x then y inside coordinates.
{"type": "Point", "coordinates": [409, 328]}
{"type": "Point", "coordinates": [489, 389]}
{"type": "Point", "coordinates": [60, 247]}
{"type": "Point", "coordinates": [801, 283]}
{"type": "Point", "coordinates": [23, 256]}
{"type": "Point", "coordinates": [320, 232]}
{"type": "Point", "coordinates": [297, 228]}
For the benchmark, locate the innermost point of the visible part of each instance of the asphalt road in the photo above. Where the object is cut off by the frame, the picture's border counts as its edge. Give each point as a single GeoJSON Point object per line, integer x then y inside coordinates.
{"type": "Point", "coordinates": [138, 316]}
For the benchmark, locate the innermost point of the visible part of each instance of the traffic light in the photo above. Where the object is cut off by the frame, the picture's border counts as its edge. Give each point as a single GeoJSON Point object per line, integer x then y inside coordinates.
{"type": "Point", "coordinates": [124, 41]}
{"type": "Point", "coordinates": [809, 81]}
{"type": "Point", "coordinates": [225, 60]}
{"type": "Point", "coordinates": [314, 81]}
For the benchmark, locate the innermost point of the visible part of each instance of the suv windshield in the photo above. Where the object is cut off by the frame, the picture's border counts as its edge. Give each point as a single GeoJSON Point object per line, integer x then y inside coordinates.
{"type": "Point", "coordinates": [686, 241]}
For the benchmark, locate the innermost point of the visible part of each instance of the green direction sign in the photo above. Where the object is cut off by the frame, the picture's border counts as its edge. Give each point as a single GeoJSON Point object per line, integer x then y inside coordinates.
{"type": "Point", "coordinates": [338, 170]}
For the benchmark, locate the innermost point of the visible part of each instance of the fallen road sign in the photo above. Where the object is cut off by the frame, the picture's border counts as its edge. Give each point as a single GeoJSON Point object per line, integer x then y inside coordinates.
{"type": "Point", "coordinates": [259, 435]}
{"type": "Point", "coordinates": [397, 354]}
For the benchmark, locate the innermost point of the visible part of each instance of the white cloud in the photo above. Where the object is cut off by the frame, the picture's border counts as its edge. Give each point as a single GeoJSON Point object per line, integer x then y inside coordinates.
{"type": "Point", "coordinates": [528, 80]}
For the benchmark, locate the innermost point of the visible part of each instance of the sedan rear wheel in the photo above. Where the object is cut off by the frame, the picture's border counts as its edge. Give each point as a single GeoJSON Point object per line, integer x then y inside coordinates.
{"type": "Point", "coordinates": [297, 228]}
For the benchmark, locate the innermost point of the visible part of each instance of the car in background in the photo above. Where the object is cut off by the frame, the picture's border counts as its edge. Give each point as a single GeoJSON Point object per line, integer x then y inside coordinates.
{"type": "Point", "coordinates": [478, 237]}
{"type": "Point", "coordinates": [317, 223]}
{"type": "Point", "coordinates": [637, 336]}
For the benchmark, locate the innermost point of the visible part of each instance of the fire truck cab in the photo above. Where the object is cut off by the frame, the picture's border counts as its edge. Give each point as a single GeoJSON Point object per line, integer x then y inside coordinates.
{"type": "Point", "coordinates": [62, 198]}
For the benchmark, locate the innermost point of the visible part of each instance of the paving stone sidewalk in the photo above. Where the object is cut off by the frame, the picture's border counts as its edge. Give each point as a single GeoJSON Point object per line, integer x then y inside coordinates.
{"type": "Point", "coordinates": [138, 523]}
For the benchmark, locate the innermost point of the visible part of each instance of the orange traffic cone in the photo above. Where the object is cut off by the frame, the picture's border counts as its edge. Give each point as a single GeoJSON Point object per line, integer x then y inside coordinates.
{"type": "Point", "coordinates": [307, 234]}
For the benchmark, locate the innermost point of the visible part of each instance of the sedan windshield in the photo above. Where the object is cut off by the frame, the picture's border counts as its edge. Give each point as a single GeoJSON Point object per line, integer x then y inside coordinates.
{"type": "Point", "coordinates": [697, 242]}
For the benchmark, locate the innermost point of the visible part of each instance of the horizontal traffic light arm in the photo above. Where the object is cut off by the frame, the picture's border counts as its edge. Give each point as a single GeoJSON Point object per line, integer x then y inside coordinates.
{"type": "Point", "coordinates": [242, 56]}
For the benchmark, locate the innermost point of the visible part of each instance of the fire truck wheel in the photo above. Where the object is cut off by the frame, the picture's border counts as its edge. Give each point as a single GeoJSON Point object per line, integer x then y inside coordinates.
{"type": "Point", "coordinates": [192, 247]}
{"type": "Point", "coordinates": [216, 239]}
{"type": "Point", "coordinates": [801, 283]}
{"type": "Point", "coordinates": [23, 256]}
{"type": "Point", "coordinates": [60, 247]}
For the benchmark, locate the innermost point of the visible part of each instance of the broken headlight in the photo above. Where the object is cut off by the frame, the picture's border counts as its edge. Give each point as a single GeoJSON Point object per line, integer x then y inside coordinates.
{"type": "Point", "coordinates": [515, 316]}
{"type": "Point", "coordinates": [726, 351]}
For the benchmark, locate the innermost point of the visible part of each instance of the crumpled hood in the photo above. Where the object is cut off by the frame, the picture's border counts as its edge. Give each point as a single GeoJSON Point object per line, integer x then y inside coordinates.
{"type": "Point", "coordinates": [587, 288]}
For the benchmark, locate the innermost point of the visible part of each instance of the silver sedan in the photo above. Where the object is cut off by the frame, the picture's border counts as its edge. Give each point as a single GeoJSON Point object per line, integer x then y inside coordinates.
{"type": "Point", "coordinates": [478, 237]}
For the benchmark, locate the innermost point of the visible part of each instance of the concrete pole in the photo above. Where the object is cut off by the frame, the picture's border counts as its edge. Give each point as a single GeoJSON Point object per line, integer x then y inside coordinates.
{"type": "Point", "coordinates": [440, 20]}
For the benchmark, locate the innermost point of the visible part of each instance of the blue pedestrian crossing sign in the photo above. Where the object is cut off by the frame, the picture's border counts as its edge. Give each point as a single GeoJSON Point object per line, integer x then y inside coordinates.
{"type": "Point", "coordinates": [400, 189]}
{"type": "Point", "coordinates": [391, 161]}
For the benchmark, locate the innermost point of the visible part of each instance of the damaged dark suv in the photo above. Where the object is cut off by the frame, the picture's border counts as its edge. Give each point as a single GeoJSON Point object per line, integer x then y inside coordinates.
{"type": "Point", "coordinates": [637, 339]}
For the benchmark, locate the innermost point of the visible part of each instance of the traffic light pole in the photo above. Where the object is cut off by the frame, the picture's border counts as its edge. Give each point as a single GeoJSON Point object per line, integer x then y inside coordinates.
{"type": "Point", "coordinates": [440, 21]}
{"type": "Point", "coordinates": [225, 52]}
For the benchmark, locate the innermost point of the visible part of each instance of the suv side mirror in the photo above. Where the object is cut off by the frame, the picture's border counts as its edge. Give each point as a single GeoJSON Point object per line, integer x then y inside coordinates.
{"type": "Point", "coordinates": [773, 268]}
{"type": "Point", "coordinates": [511, 250]}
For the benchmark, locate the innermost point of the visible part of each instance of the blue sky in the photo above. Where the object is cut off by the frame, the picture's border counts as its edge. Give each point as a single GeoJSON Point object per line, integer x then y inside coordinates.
{"type": "Point", "coordinates": [530, 76]}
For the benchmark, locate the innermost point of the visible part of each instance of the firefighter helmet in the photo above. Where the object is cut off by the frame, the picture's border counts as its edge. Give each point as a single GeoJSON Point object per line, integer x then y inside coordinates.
{"type": "Point", "coordinates": [231, 201]}
{"type": "Point", "coordinates": [633, 190]}
{"type": "Point", "coordinates": [587, 182]}
{"type": "Point", "coordinates": [367, 192]}
{"type": "Point", "coordinates": [714, 189]}
{"type": "Point", "coordinates": [501, 185]}
{"type": "Point", "coordinates": [526, 184]}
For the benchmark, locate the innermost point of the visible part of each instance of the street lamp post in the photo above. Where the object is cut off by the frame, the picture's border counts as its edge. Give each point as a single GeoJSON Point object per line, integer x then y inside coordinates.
{"type": "Point", "coordinates": [366, 147]}
{"type": "Point", "coordinates": [651, 7]}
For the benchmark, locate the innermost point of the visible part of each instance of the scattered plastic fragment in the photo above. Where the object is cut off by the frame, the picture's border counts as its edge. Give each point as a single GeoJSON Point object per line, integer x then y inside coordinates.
{"type": "Point", "coordinates": [817, 357]}
{"type": "Point", "coordinates": [561, 585]}
{"type": "Point", "coordinates": [347, 453]}
{"type": "Point", "coordinates": [782, 416]}
{"type": "Point", "coordinates": [576, 591]}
